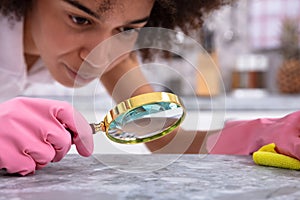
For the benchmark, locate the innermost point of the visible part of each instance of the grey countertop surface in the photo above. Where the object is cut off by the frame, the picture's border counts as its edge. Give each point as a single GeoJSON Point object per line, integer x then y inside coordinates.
{"type": "Point", "coordinates": [153, 177]}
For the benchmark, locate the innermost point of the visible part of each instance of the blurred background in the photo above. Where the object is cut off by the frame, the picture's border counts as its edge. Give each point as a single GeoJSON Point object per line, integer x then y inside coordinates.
{"type": "Point", "coordinates": [251, 68]}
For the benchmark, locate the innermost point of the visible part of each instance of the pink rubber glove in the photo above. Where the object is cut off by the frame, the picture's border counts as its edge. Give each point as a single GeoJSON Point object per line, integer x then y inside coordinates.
{"type": "Point", "coordinates": [246, 137]}
{"type": "Point", "coordinates": [34, 132]}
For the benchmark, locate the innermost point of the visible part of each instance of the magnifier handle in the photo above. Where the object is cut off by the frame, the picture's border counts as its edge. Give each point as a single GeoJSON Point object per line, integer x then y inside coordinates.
{"type": "Point", "coordinates": [98, 127]}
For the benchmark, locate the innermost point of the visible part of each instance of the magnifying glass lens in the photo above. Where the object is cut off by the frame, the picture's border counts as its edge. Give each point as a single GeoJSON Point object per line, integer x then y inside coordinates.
{"type": "Point", "coordinates": [145, 121]}
{"type": "Point", "coordinates": [142, 118]}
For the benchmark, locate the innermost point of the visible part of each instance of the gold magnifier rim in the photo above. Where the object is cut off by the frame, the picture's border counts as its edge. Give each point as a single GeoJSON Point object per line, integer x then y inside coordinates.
{"type": "Point", "coordinates": [137, 101]}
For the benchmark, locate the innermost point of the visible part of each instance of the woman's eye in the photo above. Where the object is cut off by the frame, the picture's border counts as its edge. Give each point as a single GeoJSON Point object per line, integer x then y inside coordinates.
{"type": "Point", "coordinates": [80, 20]}
{"type": "Point", "coordinates": [129, 31]}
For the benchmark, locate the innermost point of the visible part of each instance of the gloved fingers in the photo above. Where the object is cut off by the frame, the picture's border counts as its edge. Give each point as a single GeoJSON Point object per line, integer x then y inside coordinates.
{"type": "Point", "coordinates": [42, 153]}
{"type": "Point", "coordinates": [18, 163]}
{"type": "Point", "coordinates": [291, 147]}
{"type": "Point", "coordinates": [82, 135]}
{"type": "Point", "coordinates": [60, 142]}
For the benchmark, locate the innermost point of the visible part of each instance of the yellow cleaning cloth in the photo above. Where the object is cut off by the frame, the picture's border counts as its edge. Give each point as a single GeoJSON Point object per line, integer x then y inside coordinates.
{"type": "Point", "coordinates": [268, 156]}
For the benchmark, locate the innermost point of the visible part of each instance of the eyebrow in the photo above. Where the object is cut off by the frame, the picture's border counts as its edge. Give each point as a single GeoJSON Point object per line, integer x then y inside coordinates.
{"type": "Point", "coordinates": [82, 7]}
{"type": "Point", "coordinates": [94, 14]}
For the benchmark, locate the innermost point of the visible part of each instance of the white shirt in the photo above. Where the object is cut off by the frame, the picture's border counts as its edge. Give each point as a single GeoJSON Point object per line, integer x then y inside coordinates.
{"type": "Point", "coordinates": [14, 78]}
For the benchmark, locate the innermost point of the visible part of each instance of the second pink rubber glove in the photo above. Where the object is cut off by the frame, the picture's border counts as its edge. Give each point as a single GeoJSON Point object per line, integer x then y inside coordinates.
{"type": "Point", "coordinates": [246, 137]}
{"type": "Point", "coordinates": [36, 131]}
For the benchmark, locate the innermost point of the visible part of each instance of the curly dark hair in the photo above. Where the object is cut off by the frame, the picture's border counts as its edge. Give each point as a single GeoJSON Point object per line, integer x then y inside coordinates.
{"type": "Point", "coordinates": [14, 8]}
{"type": "Point", "coordinates": [184, 15]}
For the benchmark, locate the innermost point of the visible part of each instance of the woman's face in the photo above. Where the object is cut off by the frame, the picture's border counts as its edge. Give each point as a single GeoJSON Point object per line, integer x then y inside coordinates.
{"type": "Point", "coordinates": [64, 32]}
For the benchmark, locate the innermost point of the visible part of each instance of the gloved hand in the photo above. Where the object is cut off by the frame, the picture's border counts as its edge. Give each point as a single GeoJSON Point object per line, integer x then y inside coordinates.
{"type": "Point", "coordinates": [246, 137]}
{"type": "Point", "coordinates": [36, 131]}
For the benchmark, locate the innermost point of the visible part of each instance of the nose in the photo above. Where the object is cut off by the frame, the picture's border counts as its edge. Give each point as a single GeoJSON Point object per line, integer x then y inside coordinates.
{"type": "Point", "coordinates": [94, 49]}
{"type": "Point", "coordinates": [102, 50]}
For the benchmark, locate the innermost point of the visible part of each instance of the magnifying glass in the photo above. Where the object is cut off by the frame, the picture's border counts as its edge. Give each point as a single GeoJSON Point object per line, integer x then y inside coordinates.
{"type": "Point", "coordinates": [142, 118]}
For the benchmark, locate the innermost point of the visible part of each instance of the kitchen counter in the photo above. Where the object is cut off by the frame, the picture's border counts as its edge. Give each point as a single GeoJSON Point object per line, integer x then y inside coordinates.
{"type": "Point", "coordinates": [153, 177]}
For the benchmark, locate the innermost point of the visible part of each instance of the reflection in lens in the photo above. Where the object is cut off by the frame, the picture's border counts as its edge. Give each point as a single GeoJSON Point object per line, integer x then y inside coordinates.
{"type": "Point", "coordinates": [145, 121]}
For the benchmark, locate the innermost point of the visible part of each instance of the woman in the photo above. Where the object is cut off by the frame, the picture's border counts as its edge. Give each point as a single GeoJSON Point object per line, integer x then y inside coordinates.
{"type": "Point", "coordinates": [50, 39]}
